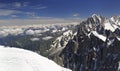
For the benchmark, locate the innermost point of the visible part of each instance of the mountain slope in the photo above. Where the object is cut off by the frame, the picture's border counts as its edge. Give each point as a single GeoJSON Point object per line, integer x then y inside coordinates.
{"type": "Point", "coordinates": [95, 47]}
{"type": "Point", "coordinates": [38, 39]}
{"type": "Point", "coordinates": [14, 59]}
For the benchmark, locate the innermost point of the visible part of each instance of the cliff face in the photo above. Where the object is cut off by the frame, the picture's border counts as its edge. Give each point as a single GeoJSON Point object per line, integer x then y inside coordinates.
{"type": "Point", "coordinates": [95, 47]}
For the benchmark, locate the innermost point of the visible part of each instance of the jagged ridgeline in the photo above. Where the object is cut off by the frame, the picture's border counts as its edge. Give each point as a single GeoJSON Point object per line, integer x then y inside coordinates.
{"type": "Point", "coordinates": [95, 47]}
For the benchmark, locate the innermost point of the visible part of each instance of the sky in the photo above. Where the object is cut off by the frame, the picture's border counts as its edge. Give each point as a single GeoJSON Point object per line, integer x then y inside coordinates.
{"type": "Point", "coordinates": [57, 9]}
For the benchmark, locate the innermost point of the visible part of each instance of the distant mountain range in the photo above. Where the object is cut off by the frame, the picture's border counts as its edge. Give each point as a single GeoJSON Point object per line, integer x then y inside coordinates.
{"type": "Point", "coordinates": [40, 39]}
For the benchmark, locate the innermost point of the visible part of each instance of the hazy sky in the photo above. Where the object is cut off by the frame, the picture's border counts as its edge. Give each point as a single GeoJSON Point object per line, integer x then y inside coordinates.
{"type": "Point", "coordinates": [60, 9]}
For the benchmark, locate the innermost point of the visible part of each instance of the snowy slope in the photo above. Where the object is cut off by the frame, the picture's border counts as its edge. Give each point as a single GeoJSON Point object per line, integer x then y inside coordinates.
{"type": "Point", "coordinates": [99, 36]}
{"type": "Point", "coordinates": [14, 59]}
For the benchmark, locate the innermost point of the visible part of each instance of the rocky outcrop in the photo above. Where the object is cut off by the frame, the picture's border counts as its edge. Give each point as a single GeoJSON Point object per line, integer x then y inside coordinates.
{"type": "Point", "coordinates": [94, 48]}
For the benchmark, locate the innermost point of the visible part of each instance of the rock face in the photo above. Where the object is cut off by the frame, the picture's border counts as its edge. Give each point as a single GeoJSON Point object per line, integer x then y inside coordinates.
{"type": "Point", "coordinates": [95, 47]}
{"type": "Point", "coordinates": [58, 45]}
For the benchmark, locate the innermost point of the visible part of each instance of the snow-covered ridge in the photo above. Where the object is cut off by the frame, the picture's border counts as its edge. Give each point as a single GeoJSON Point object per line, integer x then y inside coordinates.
{"type": "Point", "coordinates": [14, 59]}
{"type": "Point", "coordinates": [108, 23]}
{"type": "Point", "coordinates": [61, 42]}
{"type": "Point", "coordinates": [64, 38]}
{"type": "Point", "coordinates": [103, 38]}
{"type": "Point", "coordinates": [102, 26]}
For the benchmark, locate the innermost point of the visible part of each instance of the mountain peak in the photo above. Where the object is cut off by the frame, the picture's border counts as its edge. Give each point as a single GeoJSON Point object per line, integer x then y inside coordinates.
{"type": "Point", "coordinates": [95, 15]}
{"type": "Point", "coordinates": [98, 18]}
{"type": "Point", "coordinates": [115, 18]}
{"type": "Point", "coordinates": [95, 46]}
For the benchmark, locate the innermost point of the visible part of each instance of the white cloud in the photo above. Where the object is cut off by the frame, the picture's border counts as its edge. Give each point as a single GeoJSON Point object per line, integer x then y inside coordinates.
{"type": "Point", "coordinates": [30, 32]}
{"type": "Point", "coordinates": [7, 12]}
{"type": "Point", "coordinates": [31, 14]}
{"type": "Point", "coordinates": [34, 39]}
{"type": "Point", "coordinates": [14, 5]}
{"type": "Point", "coordinates": [14, 16]}
{"type": "Point", "coordinates": [76, 14]}
{"type": "Point", "coordinates": [17, 4]}
{"type": "Point", "coordinates": [5, 32]}
{"type": "Point", "coordinates": [12, 13]}
{"type": "Point", "coordinates": [18, 26]}
{"type": "Point", "coordinates": [7, 9]}
{"type": "Point", "coordinates": [25, 4]}
{"type": "Point", "coordinates": [47, 38]}
{"type": "Point", "coordinates": [42, 7]}
{"type": "Point", "coordinates": [42, 20]}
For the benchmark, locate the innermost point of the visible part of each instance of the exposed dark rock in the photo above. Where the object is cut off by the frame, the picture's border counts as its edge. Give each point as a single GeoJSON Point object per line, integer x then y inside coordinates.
{"type": "Point", "coordinates": [88, 52]}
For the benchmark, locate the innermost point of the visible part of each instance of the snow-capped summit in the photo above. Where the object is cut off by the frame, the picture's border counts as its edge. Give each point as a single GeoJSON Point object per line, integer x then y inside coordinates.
{"type": "Point", "coordinates": [112, 23]}
{"type": "Point", "coordinates": [98, 18]}
{"type": "Point", "coordinates": [14, 59]}
{"type": "Point", "coordinates": [115, 20]}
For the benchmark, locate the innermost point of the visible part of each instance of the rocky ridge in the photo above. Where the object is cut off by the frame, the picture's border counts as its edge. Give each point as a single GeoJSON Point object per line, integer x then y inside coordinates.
{"type": "Point", "coordinates": [95, 47]}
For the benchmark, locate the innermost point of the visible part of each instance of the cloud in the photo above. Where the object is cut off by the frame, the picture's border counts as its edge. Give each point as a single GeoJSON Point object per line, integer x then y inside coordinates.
{"type": "Point", "coordinates": [33, 15]}
{"type": "Point", "coordinates": [16, 13]}
{"type": "Point", "coordinates": [25, 4]}
{"type": "Point", "coordinates": [19, 26]}
{"type": "Point", "coordinates": [42, 20]}
{"type": "Point", "coordinates": [20, 4]}
{"type": "Point", "coordinates": [42, 7]}
{"type": "Point", "coordinates": [17, 4]}
{"type": "Point", "coordinates": [14, 5]}
{"type": "Point", "coordinates": [7, 9]}
{"type": "Point", "coordinates": [5, 32]}
{"type": "Point", "coordinates": [14, 16]}
{"type": "Point", "coordinates": [76, 14]}
{"type": "Point", "coordinates": [35, 39]}
{"type": "Point", "coordinates": [4, 12]}
{"type": "Point", "coordinates": [29, 32]}
{"type": "Point", "coordinates": [17, 10]}
{"type": "Point", "coordinates": [47, 38]}
{"type": "Point", "coordinates": [38, 17]}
